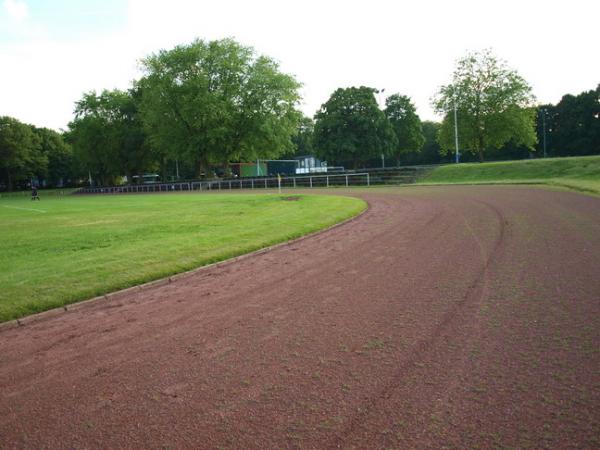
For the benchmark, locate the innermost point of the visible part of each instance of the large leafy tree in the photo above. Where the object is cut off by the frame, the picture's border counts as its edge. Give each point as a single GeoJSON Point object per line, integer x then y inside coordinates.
{"type": "Point", "coordinates": [20, 155]}
{"type": "Point", "coordinates": [403, 116]}
{"type": "Point", "coordinates": [494, 106]}
{"type": "Point", "coordinates": [108, 137]}
{"type": "Point", "coordinates": [215, 102]}
{"type": "Point", "coordinates": [351, 127]}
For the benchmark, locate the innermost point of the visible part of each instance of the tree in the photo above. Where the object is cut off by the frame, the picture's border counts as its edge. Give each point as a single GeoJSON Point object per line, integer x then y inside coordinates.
{"type": "Point", "coordinates": [89, 138]}
{"type": "Point", "coordinates": [430, 153]}
{"type": "Point", "coordinates": [108, 136]}
{"type": "Point", "coordinates": [406, 123]}
{"type": "Point", "coordinates": [573, 125]}
{"type": "Point", "coordinates": [494, 106]}
{"type": "Point", "coordinates": [20, 155]}
{"type": "Point", "coordinates": [215, 102]}
{"type": "Point", "coordinates": [59, 156]}
{"type": "Point", "coordinates": [351, 127]}
{"type": "Point", "coordinates": [302, 141]}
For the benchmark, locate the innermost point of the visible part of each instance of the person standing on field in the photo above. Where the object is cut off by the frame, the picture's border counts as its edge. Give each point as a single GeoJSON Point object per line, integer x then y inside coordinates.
{"type": "Point", "coordinates": [34, 193]}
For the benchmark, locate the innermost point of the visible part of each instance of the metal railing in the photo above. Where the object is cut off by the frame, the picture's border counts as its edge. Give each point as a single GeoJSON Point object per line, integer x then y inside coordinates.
{"type": "Point", "coordinates": [307, 181]}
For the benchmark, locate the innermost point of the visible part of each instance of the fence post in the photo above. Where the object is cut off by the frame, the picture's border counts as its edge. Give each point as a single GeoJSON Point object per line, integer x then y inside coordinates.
{"type": "Point", "coordinates": [368, 180]}
{"type": "Point", "coordinates": [346, 180]}
{"type": "Point", "coordinates": [252, 182]}
{"type": "Point", "coordinates": [240, 184]}
{"type": "Point", "coordinates": [310, 180]}
{"type": "Point", "coordinates": [327, 177]}
{"type": "Point", "coordinates": [294, 182]}
{"type": "Point", "coordinates": [265, 183]}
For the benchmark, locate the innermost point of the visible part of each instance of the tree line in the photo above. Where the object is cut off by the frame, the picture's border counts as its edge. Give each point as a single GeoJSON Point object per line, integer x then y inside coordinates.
{"type": "Point", "coordinates": [207, 104]}
{"type": "Point", "coordinates": [28, 152]}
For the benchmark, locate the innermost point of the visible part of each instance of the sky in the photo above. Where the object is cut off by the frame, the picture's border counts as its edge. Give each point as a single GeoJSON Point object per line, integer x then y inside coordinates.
{"type": "Point", "coordinates": [52, 51]}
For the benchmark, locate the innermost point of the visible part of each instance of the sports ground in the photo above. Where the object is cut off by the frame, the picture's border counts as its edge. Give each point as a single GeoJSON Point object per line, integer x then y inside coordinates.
{"type": "Point", "coordinates": [442, 317]}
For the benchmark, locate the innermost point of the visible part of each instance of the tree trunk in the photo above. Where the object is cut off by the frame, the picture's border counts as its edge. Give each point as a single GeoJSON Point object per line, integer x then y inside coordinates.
{"type": "Point", "coordinates": [480, 148]}
{"type": "Point", "coordinates": [202, 167]}
{"type": "Point", "coordinates": [163, 169]}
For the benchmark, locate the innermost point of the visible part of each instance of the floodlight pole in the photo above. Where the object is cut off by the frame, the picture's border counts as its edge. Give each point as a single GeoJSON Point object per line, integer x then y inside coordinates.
{"type": "Point", "coordinates": [455, 133]}
{"type": "Point", "coordinates": [382, 107]}
{"type": "Point", "coordinates": [544, 128]}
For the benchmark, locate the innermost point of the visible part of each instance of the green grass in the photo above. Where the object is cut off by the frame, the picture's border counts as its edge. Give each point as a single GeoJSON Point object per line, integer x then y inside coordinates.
{"type": "Point", "coordinates": [45, 192]}
{"type": "Point", "coordinates": [577, 173]}
{"type": "Point", "coordinates": [77, 247]}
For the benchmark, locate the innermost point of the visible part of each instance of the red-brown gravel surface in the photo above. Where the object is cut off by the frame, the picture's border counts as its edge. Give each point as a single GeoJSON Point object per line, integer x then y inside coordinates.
{"type": "Point", "coordinates": [444, 317]}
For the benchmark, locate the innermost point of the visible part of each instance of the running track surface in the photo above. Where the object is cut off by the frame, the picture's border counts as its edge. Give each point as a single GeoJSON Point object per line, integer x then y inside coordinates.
{"type": "Point", "coordinates": [446, 317]}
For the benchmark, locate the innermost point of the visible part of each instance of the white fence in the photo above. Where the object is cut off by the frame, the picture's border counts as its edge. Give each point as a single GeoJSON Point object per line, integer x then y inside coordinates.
{"type": "Point", "coordinates": [312, 181]}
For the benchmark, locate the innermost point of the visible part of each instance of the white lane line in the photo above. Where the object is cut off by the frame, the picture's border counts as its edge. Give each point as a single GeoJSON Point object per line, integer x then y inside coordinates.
{"type": "Point", "coordinates": [25, 209]}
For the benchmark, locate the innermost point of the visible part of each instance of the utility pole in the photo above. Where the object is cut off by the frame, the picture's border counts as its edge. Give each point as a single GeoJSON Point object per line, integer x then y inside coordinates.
{"type": "Point", "coordinates": [455, 132]}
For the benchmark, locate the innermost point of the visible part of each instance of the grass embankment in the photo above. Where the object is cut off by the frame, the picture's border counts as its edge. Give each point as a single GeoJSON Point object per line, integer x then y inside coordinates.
{"type": "Point", "coordinates": [578, 173]}
{"type": "Point", "coordinates": [61, 250]}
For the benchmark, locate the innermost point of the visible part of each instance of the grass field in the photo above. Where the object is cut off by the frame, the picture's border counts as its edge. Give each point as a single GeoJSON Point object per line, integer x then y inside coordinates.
{"type": "Point", "coordinates": [45, 192]}
{"type": "Point", "coordinates": [578, 173]}
{"type": "Point", "coordinates": [64, 249]}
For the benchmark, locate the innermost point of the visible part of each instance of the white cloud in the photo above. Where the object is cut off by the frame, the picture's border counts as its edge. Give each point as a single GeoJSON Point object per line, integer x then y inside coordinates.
{"type": "Point", "coordinates": [16, 9]}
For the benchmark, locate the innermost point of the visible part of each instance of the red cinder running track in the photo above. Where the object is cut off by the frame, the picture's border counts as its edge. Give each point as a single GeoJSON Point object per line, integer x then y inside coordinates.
{"type": "Point", "coordinates": [444, 317]}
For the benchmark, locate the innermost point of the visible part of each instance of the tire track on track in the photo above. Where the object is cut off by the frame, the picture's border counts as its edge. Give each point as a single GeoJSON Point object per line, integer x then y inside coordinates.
{"type": "Point", "coordinates": [463, 312]}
